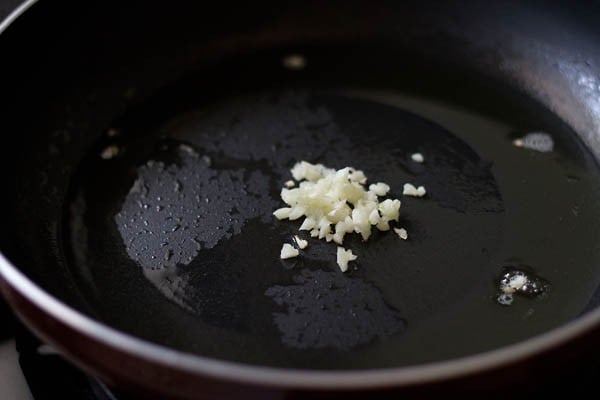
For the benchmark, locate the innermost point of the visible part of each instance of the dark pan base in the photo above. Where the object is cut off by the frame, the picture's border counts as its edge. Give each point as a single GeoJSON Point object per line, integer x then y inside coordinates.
{"type": "Point", "coordinates": [178, 226]}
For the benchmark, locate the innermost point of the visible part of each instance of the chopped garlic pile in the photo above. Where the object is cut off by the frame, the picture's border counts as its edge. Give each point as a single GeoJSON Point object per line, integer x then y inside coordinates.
{"type": "Point", "coordinates": [327, 198]}
{"type": "Point", "coordinates": [334, 203]}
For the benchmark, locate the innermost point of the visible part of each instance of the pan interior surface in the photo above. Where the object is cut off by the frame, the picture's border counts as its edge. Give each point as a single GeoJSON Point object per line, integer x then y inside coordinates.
{"type": "Point", "coordinates": [169, 235]}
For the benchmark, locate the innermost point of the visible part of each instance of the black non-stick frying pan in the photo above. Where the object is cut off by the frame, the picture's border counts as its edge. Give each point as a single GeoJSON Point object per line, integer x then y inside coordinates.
{"type": "Point", "coordinates": [146, 144]}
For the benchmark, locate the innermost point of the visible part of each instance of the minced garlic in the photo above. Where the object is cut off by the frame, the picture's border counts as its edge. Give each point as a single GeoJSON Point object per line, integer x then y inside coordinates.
{"type": "Point", "coordinates": [334, 203]}
{"type": "Point", "coordinates": [302, 244]}
{"type": "Point", "coordinates": [288, 251]}
{"type": "Point", "coordinates": [411, 190]}
{"type": "Point", "coordinates": [343, 257]}
{"type": "Point", "coordinates": [402, 233]}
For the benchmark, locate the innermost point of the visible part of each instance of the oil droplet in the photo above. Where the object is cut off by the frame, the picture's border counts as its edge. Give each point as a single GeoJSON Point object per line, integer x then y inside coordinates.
{"type": "Point", "coordinates": [572, 178]}
{"type": "Point", "coordinates": [112, 132]}
{"type": "Point", "coordinates": [520, 281]}
{"type": "Point", "coordinates": [575, 211]}
{"type": "Point", "coordinates": [294, 62]}
{"type": "Point", "coordinates": [505, 299]}
{"type": "Point", "coordinates": [537, 141]}
{"type": "Point", "coordinates": [188, 150]}
{"type": "Point", "coordinates": [109, 152]}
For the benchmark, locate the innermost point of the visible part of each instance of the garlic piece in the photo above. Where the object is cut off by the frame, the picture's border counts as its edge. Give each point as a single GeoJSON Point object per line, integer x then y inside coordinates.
{"type": "Point", "coordinates": [288, 251]}
{"type": "Point", "coordinates": [344, 257]}
{"type": "Point", "coordinates": [411, 190]}
{"type": "Point", "coordinates": [402, 233]}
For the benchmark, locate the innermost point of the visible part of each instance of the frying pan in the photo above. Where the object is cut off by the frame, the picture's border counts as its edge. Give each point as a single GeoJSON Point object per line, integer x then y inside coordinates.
{"type": "Point", "coordinates": [146, 145]}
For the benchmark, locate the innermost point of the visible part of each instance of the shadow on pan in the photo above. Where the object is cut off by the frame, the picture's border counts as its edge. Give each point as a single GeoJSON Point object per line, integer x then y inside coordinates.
{"type": "Point", "coordinates": [152, 168]}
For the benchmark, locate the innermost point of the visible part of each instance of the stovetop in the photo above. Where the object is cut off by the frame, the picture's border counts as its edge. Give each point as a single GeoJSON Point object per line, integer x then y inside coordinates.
{"type": "Point", "coordinates": [30, 369]}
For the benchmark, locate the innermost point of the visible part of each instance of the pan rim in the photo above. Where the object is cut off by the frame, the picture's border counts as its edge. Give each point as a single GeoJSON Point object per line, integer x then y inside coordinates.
{"type": "Point", "coordinates": [162, 356]}
{"type": "Point", "coordinates": [175, 360]}
{"type": "Point", "coordinates": [16, 13]}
